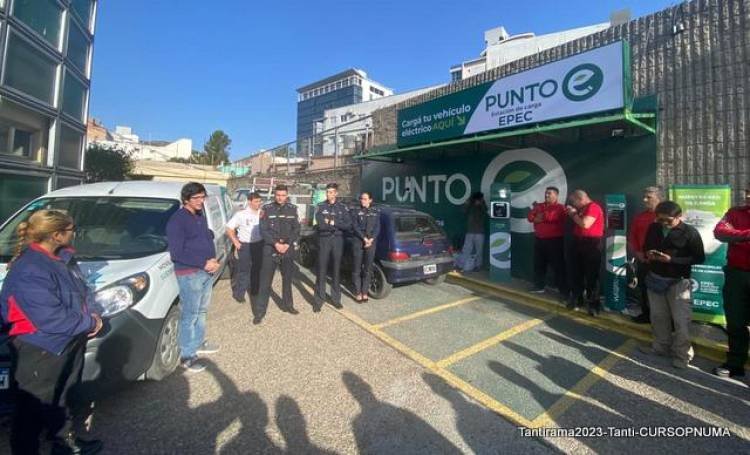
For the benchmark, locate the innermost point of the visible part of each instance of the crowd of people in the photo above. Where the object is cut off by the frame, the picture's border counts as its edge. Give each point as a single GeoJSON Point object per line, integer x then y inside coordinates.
{"type": "Point", "coordinates": [44, 299]}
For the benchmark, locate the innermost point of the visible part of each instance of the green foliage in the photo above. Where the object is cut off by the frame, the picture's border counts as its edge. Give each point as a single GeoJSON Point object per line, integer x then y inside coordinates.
{"type": "Point", "coordinates": [107, 164]}
{"type": "Point", "coordinates": [216, 149]}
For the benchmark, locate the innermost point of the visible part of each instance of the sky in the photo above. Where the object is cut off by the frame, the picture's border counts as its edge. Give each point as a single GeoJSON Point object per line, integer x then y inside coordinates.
{"type": "Point", "coordinates": [184, 68]}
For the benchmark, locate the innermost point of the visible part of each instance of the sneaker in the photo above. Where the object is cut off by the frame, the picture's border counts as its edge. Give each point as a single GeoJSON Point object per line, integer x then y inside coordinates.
{"type": "Point", "coordinates": [208, 348]}
{"type": "Point", "coordinates": [680, 364]}
{"type": "Point", "coordinates": [641, 319]}
{"type": "Point", "coordinates": [76, 446]}
{"type": "Point", "coordinates": [651, 351]}
{"type": "Point", "coordinates": [193, 365]}
{"type": "Point", "coordinates": [537, 291]}
{"type": "Point", "coordinates": [725, 371]}
{"type": "Point", "coordinates": [257, 320]}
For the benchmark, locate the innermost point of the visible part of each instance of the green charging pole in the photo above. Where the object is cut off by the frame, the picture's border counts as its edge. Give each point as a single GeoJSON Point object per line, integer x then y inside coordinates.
{"type": "Point", "coordinates": [499, 232]}
{"type": "Point", "coordinates": [615, 285]}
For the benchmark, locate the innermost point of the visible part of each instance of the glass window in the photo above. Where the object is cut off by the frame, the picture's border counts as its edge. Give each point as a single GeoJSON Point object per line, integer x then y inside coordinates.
{"type": "Point", "coordinates": [71, 142]}
{"type": "Point", "coordinates": [415, 226]}
{"type": "Point", "coordinates": [78, 47]}
{"type": "Point", "coordinates": [23, 133]}
{"type": "Point", "coordinates": [63, 182]}
{"type": "Point", "coordinates": [83, 9]}
{"type": "Point", "coordinates": [73, 97]}
{"type": "Point", "coordinates": [107, 228]}
{"type": "Point", "coordinates": [15, 191]}
{"type": "Point", "coordinates": [43, 16]}
{"type": "Point", "coordinates": [27, 69]}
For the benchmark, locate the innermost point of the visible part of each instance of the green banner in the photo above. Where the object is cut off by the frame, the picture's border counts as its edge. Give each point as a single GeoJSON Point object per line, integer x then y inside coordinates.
{"type": "Point", "coordinates": [702, 207]}
{"type": "Point", "coordinates": [441, 186]}
{"type": "Point", "coordinates": [594, 81]}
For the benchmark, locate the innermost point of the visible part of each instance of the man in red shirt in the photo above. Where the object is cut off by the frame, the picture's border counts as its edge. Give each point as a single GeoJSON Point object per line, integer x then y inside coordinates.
{"type": "Point", "coordinates": [734, 229]}
{"type": "Point", "coordinates": [652, 196]}
{"type": "Point", "coordinates": [549, 223]}
{"type": "Point", "coordinates": [588, 232]}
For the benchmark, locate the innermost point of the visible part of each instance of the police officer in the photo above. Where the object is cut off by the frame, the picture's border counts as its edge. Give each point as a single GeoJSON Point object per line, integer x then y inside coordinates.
{"type": "Point", "coordinates": [333, 221]}
{"type": "Point", "coordinates": [279, 227]}
{"type": "Point", "coordinates": [366, 227]}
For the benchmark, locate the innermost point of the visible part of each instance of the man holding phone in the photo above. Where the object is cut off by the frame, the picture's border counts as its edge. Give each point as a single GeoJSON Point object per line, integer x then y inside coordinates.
{"type": "Point", "coordinates": [671, 249]}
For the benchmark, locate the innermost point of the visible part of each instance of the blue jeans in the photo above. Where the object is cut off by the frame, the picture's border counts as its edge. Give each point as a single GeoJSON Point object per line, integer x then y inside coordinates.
{"type": "Point", "coordinates": [195, 295]}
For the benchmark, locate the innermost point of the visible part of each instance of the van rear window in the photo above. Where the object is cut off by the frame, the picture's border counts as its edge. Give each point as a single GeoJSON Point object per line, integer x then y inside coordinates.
{"type": "Point", "coordinates": [415, 226]}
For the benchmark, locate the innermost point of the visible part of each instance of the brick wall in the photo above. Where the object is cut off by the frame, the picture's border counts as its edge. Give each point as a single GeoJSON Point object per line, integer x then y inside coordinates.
{"type": "Point", "coordinates": [701, 76]}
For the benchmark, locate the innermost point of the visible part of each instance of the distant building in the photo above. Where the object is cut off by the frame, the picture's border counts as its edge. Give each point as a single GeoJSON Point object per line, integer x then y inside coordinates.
{"type": "Point", "coordinates": [348, 87]}
{"type": "Point", "coordinates": [44, 96]}
{"type": "Point", "coordinates": [177, 172]}
{"type": "Point", "coordinates": [501, 47]}
{"type": "Point", "coordinates": [123, 138]}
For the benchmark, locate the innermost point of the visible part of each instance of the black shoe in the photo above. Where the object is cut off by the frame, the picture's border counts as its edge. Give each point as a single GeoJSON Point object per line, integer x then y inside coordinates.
{"type": "Point", "coordinates": [594, 309]}
{"type": "Point", "coordinates": [571, 305]}
{"type": "Point", "coordinates": [77, 446]}
{"type": "Point", "coordinates": [337, 305]}
{"type": "Point", "coordinates": [725, 371]}
{"type": "Point", "coordinates": [257, 320]}
{"type": "Point", "coordinates": [292, 310]}
{"type": "Point", "coordinates": [642, 319]}
{"type": "Point", "coordinates": [239, 299]}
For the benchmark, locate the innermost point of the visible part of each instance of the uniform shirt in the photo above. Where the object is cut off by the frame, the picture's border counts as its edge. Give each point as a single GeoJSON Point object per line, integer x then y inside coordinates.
{"type": "Point", "coordinates": [683, 243]}
{"type": "Point", "coordinates": [336, 212]}
{"type": "Point", "coordinates": [366, 222]}
{"type": "Point", "coordinates": [597, 229]}
{"type": "Point", "coordinates": [638, 229]}
{"type": "Point", "coordinates": [247, 224]}
{"type": "Point", "coordinates": [191, 242]}
{"type": "Point", "coordinates": [738, 236]}
{"type": "Point", "coordinates": [279, 223]}
{"type": "Point", "coordinates": [553, 220]}
{"type": "Point", "coordinates": [44, 299]}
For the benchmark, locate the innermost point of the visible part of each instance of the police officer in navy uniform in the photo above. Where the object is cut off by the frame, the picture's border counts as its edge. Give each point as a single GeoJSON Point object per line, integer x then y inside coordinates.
{"type": "Point", "coordinates": [279, 227]}
{"type": "Point", "coordinates": [333, 222]}
{"type": "Point", "coordinates": [366, 227]}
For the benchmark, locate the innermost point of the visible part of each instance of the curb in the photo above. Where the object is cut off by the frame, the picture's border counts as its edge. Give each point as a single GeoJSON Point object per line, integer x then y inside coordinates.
{"type": "Point", "coordinates": [706, 348]}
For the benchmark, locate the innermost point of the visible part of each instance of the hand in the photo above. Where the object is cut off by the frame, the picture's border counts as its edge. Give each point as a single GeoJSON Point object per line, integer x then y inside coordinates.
{"type": "Point", "coordinates": [571, 210]}
{"type": "Point", "coordinates": [279, 247]}
{"type": "Point", "coordinates": [284, 248]}
{"type": "Point", "coordinates": [212, 265]}
{"type": "Point", "coordinates": [539, 218]}
{"type": "Point", "coordinates": [237, 245]}
{"type": "Point", "coordinates": [98, 324]}
{"type": "Point", "coordinates": [658, 256]}
{"type": "Point", "coordinates": [640, 256]}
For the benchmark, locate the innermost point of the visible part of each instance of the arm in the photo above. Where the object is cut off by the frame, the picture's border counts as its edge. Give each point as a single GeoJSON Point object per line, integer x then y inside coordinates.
{"type": "Point", "coordinates": [265, 229]}
{"type": "Point", "coordinates": [376, 229]}
{"type": "Point", "coordinates": [531, 216]}
{"type": "Point", "coordinates": [696, 252]}
{"type": "Point", "coordinates": [176, 243]}
{"type": "Point", "coordinates": [38, 298]}
{"type": "Point", "coordinates": [321, 221]}
{"type": "Point", "coordinates": [295, 229]}
{"type": "Point", "coordinates": [232, 231]}
{"type": "Point", "coordinates": [356, 228]}
{"type": "Point", "coordinates": [726, 232]}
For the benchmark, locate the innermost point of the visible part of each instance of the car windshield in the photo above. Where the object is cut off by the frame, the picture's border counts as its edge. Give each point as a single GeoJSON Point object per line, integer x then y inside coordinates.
{"type": "Point", "coordinates": [416, 227]}
{"type": "Point", "coordinates": [106, 227]}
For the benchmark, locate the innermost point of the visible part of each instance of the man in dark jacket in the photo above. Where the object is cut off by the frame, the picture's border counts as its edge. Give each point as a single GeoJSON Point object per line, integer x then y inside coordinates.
{"type": "Point", "coordinates": [671, 249]}
{"type": "Point", "coordinates": [476, 218]}
{"type": "Point", "coordinates": [734, 228]}
{"type": "Point", "coordinates": [333, 221]}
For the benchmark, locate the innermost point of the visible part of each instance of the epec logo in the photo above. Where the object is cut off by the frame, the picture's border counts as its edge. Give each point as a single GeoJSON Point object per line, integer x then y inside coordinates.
{"type": "Point", "coordinates": [528, 171]}
{"type": "Point", "coordinates": [582, 82]}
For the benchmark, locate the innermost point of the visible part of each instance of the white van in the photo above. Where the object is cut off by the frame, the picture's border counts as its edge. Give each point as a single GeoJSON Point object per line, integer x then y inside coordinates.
{"type": "Point", "coordinates": [120, 238]}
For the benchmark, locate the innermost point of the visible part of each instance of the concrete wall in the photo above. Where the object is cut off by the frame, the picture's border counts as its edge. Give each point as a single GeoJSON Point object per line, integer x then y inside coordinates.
{"type": "Point", "coordinates": [701, 76]}
{"type": "Point", "coordinates": [348, 177]}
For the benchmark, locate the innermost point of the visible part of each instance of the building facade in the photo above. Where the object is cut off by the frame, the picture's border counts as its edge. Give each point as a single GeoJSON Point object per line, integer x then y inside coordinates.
{"type": "Point", "coordinates": [124, 139]}
{"type": "Point", "coordinates": [45, 78]}
{"type": "Point", "coordinates": [348, 87]}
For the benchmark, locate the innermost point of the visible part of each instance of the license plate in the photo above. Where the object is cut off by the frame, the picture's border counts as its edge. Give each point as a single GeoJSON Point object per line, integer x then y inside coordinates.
{"type": "Point", "coordinates": [430, 268]}
{"type": "Point", "coordinates": [4, 378]}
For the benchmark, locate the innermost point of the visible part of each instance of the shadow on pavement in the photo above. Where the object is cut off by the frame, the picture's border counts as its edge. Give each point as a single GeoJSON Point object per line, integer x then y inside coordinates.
{"type": "Point", "coordinates": [383, 428]}
{"type": "Point", "coordinates": [293, 428]}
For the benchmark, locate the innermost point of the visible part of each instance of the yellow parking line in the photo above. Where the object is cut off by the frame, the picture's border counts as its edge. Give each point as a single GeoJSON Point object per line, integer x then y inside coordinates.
{"type": "Point", "coordinates": [446, 375]}
{"type": "Point", "coordinates": [492, 341]}
{"type": "Point", "coordinates": [419, 314]}
{"type": "Point", "coordinates": [547, 419]}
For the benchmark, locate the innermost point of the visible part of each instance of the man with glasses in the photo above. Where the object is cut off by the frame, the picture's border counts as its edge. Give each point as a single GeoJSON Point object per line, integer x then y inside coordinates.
{"type": "Point", "coordinates": [671, 249]}
{"type": "Point", "coordinates": [734, 228]}
{"type": "Point", "coordinates": [191, 246]}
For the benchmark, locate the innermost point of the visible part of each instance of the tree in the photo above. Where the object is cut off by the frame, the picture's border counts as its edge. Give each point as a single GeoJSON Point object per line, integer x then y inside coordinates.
{"type": "Point", "coordinates": [216, 149]}
{"type": "Point", "coordinates": [107, 164]}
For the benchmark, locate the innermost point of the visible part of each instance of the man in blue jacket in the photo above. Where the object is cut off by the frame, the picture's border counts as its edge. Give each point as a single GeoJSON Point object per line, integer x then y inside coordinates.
{"type": "Point", "coordinates": [193, 253]}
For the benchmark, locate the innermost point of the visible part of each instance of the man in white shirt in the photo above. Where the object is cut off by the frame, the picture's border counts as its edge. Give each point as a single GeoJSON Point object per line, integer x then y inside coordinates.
{"type": "Point", "coordinates": [244, 231]}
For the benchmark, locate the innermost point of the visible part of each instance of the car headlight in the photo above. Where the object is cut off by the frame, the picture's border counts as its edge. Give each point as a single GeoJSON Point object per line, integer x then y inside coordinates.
{"type": "Point", "coordinates": [121, 295]}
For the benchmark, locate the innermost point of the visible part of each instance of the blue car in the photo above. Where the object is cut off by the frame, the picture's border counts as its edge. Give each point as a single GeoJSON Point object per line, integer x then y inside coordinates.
{"type": "Point", "coordinates": [411, 247]}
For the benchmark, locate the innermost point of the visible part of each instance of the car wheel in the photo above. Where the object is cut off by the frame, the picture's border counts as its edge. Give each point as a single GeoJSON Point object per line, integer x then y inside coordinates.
{"type": "Point", "coordinates": [435, 280]}
{"type": "Point", "coordinates": [167, 353]}
{"type": "Point", "coordinates": [379, 285]}
{"type": "Point", "coordinates": [305, 255]}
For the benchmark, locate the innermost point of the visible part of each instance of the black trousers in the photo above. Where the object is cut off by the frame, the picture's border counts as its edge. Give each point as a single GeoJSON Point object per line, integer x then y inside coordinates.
{"type": "Point", "coordinates": [272, 260]}
{"type": "Point", "coordinates": [249, 262]}
{"type": "Point", "coordinates": [641, 271]}
{"type": "Point", "coordinates": [550, 253]}
{"type": "Point", "coordinates": [362, 259]}
{"type": "Point", "coordinates": [587, 262]}
{"type": "Point", "coordinates": [737, 310]}
{"type": "Point", "coordinates": [329, 247]}
{"type": "Point", "coordinates": [46, 384]}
